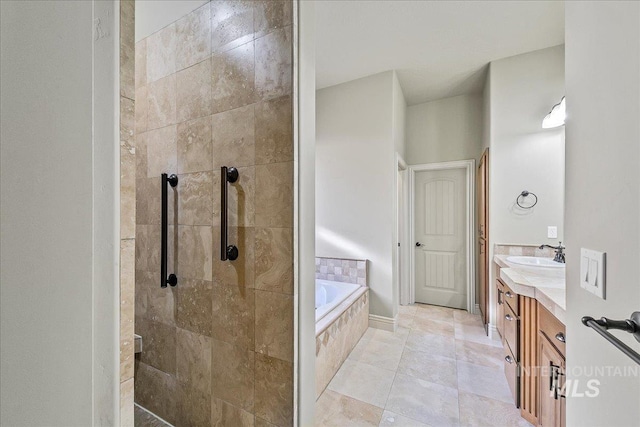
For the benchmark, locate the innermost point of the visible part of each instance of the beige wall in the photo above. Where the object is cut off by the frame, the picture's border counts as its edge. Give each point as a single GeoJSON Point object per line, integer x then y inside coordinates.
{"type": "Point", "coordinates": [523, 156]}
{"type": "Point", "coordinates": [602, 203]}
{"type": "Point", "coordinates": [218, 348]}
{"type": "Point", "coordinates": [355, 175]}
{"type": "Point", "coordinates": [59, 214]}
{"type": "Point", "coordinates": [445, 130]}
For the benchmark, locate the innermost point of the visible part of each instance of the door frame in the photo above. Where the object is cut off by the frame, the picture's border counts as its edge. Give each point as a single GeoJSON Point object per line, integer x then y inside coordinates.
{"type": "Point", "coordinates": [403, 241]}
{"type": "Point", "coordinates": [470, 169]}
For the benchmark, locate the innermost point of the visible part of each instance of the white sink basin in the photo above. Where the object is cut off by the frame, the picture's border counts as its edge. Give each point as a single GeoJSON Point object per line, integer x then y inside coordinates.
{"type": "Point", "coordinates": [533, 261]}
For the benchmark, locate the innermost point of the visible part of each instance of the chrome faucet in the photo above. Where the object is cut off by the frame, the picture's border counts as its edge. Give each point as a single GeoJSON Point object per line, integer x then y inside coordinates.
{"type": "Point", "coordinates": [559, 252]}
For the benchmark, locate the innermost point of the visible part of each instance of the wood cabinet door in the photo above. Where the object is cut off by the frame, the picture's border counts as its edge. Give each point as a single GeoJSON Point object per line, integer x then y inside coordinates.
{"type": "Point", "coordinates": [500, 309]}
{"type": "Point", "coordinates": [551, 385]}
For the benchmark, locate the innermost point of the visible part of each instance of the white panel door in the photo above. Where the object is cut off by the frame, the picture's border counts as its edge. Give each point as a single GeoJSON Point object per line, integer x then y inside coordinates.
{"type": "Point", "coordinates": [440, 236]}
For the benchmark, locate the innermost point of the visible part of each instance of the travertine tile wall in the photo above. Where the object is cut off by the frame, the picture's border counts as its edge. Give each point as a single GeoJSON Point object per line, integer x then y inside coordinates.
{"type": "Point", "coordinates": [127, 209]}
{"type": "Point", "coordinates": [342, 270]}
{"type": "Point", "coordinates": [214, 88]}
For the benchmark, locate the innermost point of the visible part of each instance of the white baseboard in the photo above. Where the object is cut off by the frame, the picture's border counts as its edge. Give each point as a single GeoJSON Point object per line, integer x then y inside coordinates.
{"type": "Point", "coordinates": [476, 309]}
{"type": "Point", "coordinates": [493, 332]}
{"type": "Point", "coordinates": [381, 322]}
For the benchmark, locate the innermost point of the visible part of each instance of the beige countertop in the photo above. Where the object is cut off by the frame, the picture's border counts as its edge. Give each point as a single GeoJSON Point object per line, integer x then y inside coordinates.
{"type": "Point", "coordinates": [547, 285]}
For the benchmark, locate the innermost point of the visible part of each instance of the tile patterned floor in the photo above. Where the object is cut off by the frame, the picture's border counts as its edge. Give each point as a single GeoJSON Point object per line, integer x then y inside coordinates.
{"type": "Point", "coordinates": [438, 369]}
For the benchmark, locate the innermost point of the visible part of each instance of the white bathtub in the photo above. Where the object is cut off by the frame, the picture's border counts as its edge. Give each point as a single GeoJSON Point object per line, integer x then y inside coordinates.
{"type": "Point", "coordinates": [330, 294]}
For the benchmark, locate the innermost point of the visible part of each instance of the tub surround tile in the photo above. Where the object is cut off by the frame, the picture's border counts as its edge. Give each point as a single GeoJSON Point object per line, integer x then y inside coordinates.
{"type": "Point", "coordinates": [193, 92]}
{"type": "Point", "coordinates": [233, 315]}
{"type": "Point", "coordinates": [232, 374]}
{"type": "Point", "coordinates": [408, 396]}
{"type": "Point", "coordinates": [274, 259]}
{"type": "Point", "coordinates": [155, 390]}
{"type": "Point", "coordinates": [241, 271]}
{"type": "Point", "coordinates": [193, 37]}
{"type": "Point", "coordinates": [234, 137]}
{"type": "Point", "coordinates": [161, 53]}
{"type": "Point", "coordinates": [363, 382]}
{"type": "Point", "coordinates": [194, 252]}
{"type": "Point", "coordinates": [274, 390]}
{"type": "Point", "coordinates": [231, 24]}
{"type": "Point", "coordinates": [273, 76]}
{"type": "Point", "coordinates": [233, 75]}
{"type": "Point", "coordinates": [339, 336]}
{"type": "Point", "coordinates": [161, 151]}
{"type": "Point", "coordinates": [274, 130]}
{"type": "Point", "coordinates": [127, 307]}
{"type": "Point", "coordinates": [194, 146]}
{"type": "Point", "coordinates": [342, 270]}
{"type": "Point", "coordinates": [225, 414]}
{"type": "Point", "coordinates": [273, 325]}
{"type": "Point", "coordinates": [272, 14]}
{"type": "Point", "coordinates": [195, 201]}
{"type": "Point", "coordinates": [334, 409]}
{"type": "Point", "coordinates": [274, 195]}
{"type": "Point", "coordinates": [161, 102]}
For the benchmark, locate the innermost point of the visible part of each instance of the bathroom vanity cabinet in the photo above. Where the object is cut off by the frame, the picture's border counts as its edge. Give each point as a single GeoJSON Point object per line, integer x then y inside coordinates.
{"type": "Point", "coordinates": [534, 347]}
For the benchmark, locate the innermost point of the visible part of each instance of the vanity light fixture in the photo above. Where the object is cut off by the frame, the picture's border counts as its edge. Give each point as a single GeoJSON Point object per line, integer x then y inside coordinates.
{"type": "Point", "coordinates": [556, 117]}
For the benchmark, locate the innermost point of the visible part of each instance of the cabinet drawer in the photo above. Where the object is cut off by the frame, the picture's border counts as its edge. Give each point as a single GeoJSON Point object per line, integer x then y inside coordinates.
{"type": "Point", "coordinates": [511, 372]}
{"type": "Point", "coordinates": [511, 298]}
{"type": "Point", "coordinates": [511, 330]}
{"type": "Point", "coordinates": [552, 328]}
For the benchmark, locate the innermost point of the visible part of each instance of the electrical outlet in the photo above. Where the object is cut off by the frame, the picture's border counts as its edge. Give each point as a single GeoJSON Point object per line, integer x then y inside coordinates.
{"type": "Point", "coordinates": [552, 232]}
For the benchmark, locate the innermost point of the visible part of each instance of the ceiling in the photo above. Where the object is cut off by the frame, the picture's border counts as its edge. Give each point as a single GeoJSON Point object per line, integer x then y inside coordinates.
{"type": "Point", "coordinates": [438, 48]}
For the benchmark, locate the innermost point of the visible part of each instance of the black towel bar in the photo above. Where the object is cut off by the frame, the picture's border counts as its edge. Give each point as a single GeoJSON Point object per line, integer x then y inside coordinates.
{"type": "Point", "coordinates": [631, 325]}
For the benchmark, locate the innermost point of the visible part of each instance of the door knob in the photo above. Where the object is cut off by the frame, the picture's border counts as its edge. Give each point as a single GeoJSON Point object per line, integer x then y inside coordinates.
{"type": "Point", "coordinates": [418, 244]}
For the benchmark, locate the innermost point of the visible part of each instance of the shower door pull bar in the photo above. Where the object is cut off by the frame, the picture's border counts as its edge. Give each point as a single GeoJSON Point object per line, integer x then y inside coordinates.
{"type": "Point", "coordinates": [171, 279]}
{"type": "Point", "coordinates": [227, 252]}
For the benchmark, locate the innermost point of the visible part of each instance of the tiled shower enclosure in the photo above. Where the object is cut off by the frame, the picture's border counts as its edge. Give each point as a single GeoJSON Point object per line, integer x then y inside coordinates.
{"type": "Point", "coordinates": [214, 89]}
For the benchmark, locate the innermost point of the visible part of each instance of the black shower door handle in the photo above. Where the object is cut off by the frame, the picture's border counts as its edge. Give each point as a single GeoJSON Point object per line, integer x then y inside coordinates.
{"type": "Point", "coordinates": [172, 279]}
{"type": "Point", "coordinates": [227, 252]}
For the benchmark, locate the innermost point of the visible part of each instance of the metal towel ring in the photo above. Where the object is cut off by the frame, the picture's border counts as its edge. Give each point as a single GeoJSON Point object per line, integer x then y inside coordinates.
{"type": "Point", "coordinates": [524, 194]}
